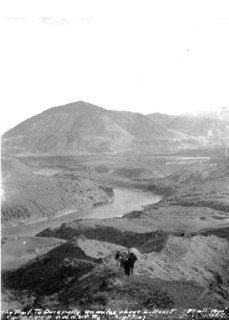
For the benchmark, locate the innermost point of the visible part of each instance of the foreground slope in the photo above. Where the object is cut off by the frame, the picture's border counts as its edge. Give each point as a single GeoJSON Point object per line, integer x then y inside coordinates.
{"type": "Point", "coordinates": [83, 273]}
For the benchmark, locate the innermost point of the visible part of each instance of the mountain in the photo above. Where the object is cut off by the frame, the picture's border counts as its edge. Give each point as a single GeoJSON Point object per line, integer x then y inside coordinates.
{"type": "Point", "coordinates": [221, 113]}
{"type": "Point", "coordinates": [211, 130]}
{"type": "Point", "coordinates": [161, 118]}
{"type": "Point", "coordinates": [84, 128]}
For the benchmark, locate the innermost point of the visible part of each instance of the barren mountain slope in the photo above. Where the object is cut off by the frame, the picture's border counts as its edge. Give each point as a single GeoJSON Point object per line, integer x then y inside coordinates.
{"type": "Point", "coordinates": [11, 168]}
{"type": "Point", "coordinates": [84, 128]}
{"type": "Point", "coordinates": [206, 187]}
{"type": "Point", "coordinates": [221, 113]}
{"type": "Point", "coordinates": [214, 130]}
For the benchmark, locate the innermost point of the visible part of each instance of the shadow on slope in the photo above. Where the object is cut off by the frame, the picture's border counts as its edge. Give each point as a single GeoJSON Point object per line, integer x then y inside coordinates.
{"type": "Point", "coordinates": [144, 242]}
{"type": "Point", "coordinates": [49, 273]}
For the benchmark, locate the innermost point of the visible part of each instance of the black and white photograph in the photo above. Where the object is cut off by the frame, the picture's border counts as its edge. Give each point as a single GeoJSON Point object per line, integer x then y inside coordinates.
{"type": "Point", "coordinates": [115, 160]}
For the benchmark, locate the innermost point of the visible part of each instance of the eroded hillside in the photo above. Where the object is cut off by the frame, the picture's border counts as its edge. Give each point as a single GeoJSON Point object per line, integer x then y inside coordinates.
{"type": "Point", "coordinates": [206, 127]}
{"type": "Point", "coordinates": [28, 197]}
{"type": "Point", "coordinates": [205, 186]}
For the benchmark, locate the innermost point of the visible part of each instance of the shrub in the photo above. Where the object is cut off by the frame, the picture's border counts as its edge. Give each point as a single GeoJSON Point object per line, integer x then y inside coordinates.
{"type": "Point", "coordinates": [159, 300]}
{"type": "Point", "coordinates": [100, 298]}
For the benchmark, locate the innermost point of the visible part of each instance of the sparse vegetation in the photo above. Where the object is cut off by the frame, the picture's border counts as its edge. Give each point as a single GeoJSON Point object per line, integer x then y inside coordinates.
{"type": "Point", "coordinates": [100, 298]}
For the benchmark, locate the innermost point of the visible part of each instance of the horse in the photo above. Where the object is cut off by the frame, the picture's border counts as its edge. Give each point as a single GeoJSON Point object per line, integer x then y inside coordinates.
{"type": "Point", "coordinates": [128, 262]}
{"type": "Point", "coordinates": [122, 260]}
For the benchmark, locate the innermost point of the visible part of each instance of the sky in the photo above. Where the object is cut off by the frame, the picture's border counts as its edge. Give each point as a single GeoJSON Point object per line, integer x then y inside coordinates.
{"type": "Point", "coordinates": [141, 56]}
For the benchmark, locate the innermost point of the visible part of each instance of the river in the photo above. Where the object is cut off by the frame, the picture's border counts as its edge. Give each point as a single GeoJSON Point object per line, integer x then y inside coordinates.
{"type": "Point", "coordinates": [125, 200]}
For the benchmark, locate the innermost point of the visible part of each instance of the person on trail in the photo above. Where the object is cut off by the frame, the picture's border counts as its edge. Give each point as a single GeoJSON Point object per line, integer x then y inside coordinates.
{"type": "Point", "coordinates": [132, 259]}
{"type": "Point", "coordinates": [117, 257]}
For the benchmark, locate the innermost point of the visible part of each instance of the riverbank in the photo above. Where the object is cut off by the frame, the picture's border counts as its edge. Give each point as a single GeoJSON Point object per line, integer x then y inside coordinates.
{"type": "Point", "coordinates": [123, 201]}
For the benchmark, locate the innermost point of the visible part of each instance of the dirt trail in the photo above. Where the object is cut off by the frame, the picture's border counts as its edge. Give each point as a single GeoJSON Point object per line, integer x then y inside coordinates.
{"type": "Point", "coordinates": [199, 259]}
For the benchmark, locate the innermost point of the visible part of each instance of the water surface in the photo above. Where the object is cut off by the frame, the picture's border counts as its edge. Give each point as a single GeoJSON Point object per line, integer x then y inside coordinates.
{"type": "Point", "coordinates": [125, 200]}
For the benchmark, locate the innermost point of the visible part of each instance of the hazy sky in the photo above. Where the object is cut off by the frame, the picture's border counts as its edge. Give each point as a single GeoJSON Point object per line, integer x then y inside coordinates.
{"type": "Point", "coordinates": [142, 56]}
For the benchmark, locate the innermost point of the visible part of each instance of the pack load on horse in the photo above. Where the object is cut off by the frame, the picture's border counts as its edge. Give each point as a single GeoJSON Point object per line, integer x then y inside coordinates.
{"type": "Point", "coordinates": [123, 260]}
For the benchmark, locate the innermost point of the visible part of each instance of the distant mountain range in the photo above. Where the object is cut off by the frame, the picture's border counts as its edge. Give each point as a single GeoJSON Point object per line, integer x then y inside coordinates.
{"type": "Point", "coordinates": [212, 126]}
{"type": "Point", "coordinates": [84, 128]}
{"type": "Point", "coordinates": [221, 113]}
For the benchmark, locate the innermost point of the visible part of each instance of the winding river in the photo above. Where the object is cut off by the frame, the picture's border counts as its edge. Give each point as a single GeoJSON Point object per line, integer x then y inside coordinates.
{"type": "Point", "coordinates": [125, 200]}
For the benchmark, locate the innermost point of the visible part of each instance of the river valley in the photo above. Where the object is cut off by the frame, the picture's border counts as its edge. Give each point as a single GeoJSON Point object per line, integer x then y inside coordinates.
{"type": "Point", "coordinates": [125, 200]}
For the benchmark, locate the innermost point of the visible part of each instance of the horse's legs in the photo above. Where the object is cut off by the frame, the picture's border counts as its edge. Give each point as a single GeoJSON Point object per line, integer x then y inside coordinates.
{"type": "Point", "coordinates": [127, 268]}
{"type": "Point", "coordinates": [128, 271]}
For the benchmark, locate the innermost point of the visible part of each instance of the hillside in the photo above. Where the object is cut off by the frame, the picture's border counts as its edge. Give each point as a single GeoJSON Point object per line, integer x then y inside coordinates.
{"type": "Point", "coordinates": [11, 168]}
{"type": "Point", "coordinates": [82, 272]}
{"type": "Point", "coordinates": [208, 129]}
{"type": "Point", "coordinates": [28, 196]}
{"type": "Point", "coordinates": [84, 128]}
{"type": "Point", "coordinates": [206, 186]}
{"type": "Point", "coordinates": [221, 113]}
